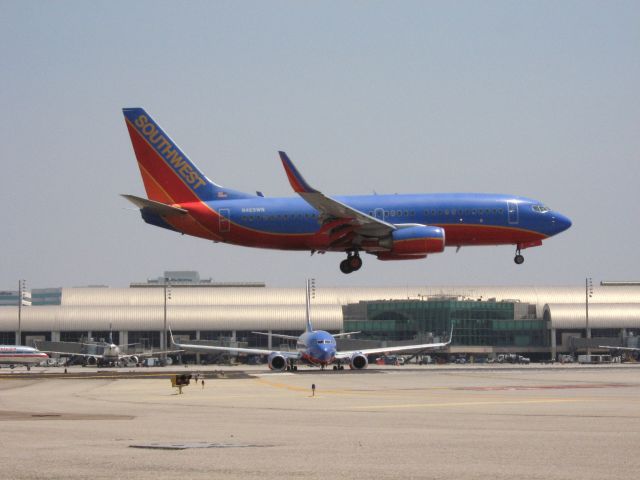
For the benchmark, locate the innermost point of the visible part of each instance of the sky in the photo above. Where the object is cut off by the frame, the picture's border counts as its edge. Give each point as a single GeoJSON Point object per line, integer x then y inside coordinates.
{"type": "Point", "coordinates": [538, 99]}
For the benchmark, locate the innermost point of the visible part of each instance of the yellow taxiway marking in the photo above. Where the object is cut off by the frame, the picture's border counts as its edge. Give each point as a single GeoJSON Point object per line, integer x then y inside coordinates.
{"type": "Point", "coordinates": [464, 404]}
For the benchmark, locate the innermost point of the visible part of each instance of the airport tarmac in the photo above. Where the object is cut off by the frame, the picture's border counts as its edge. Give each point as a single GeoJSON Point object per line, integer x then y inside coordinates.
{"type": "Point", "coordinates": [390, 423]}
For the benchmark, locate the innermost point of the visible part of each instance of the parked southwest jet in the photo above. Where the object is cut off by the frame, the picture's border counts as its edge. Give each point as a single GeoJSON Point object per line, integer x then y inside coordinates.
{"type": "Point", "coordinates": [313, 347]}
{"type": "Point", "coordinates": [391, 227]}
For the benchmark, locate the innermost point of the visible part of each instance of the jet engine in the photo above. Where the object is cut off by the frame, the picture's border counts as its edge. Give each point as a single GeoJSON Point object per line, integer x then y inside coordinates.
{"type": "Point", "coordinates": [92, 361]}
{"type": "Point", "coordinates": [412, 243]}
{"type": "Point", "coordinates": [133, 359]}
{"type": "Point", "coordinates": [277, 361]}
{"type": "Point", "coordinates": [358, 361]}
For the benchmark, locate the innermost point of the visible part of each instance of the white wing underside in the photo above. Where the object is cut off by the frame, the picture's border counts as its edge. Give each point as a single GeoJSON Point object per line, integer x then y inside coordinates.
{"type": "Point", "coordinates": [401, 348]}
{"type": "Point", "coordinates": [250, 351]}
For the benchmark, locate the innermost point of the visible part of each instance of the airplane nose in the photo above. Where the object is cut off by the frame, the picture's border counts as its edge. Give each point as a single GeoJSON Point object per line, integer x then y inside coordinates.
{"type": "Point", "coordinates": [561, 222]}
{"type": "Point", "coordinates": [326, 354]}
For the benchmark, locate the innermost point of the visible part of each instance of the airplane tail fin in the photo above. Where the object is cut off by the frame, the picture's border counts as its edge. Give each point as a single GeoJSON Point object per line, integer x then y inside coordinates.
{"type": "Point", "coordinates": [168, 175]}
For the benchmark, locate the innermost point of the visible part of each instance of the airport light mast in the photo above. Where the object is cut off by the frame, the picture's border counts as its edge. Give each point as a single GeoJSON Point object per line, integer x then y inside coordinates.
{"type": "Point", "coordinates": [22, 284]}
{"type": "Point", "coordinates": [588, 293]}
{"type": "Point", "coordinates": [167, 295]}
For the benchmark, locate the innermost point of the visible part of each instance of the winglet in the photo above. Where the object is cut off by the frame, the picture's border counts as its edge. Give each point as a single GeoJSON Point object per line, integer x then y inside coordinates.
{"type": "Point", "coordinates": [296, 180]}
{"type": "Point", "coordinates": [173, 343]}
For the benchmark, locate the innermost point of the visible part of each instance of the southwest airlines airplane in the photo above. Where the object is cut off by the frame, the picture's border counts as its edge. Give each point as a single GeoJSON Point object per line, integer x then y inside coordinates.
{"type": "Point", "coordinates": [313, 347]}
{"type": "Point", "coordinates": [391, 227]}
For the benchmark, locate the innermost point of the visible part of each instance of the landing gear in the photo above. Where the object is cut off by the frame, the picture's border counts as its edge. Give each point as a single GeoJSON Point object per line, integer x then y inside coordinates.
{"type": "Point", "coordinates": [338, 367]}
{"type": "Point", "coordinates": [519, 259]}
{"type": "Point", "coordinates": [352, 263]}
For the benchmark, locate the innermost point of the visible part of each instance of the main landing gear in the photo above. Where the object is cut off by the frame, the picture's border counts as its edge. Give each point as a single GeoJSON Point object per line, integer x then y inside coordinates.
{"type": "Point", "coordinates": [352, 263]}
{"type": "Point", "coordinates": [519, 259]}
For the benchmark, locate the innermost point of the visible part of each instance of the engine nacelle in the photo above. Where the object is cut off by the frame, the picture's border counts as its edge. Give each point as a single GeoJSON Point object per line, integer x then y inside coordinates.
{"type": "Point", "coordinates": [413, 243]}
{"type": "Point", "coordinates": [134, 359]}
{"type": "Point", "coordinates": [358, 361]}
{"type": "Point", "coordinates": [277, 362]}
{"type": "Point", "coordinates": [92, 361]}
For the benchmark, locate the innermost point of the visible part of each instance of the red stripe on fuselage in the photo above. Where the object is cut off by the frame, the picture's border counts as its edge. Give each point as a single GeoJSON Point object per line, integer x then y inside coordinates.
{"type": "Point", "coordinates": [488, 235]}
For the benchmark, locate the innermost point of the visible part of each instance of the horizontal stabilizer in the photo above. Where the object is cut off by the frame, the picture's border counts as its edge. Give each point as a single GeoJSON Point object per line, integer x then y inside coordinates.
{"type": "Point", "coordinates": [161, 209]}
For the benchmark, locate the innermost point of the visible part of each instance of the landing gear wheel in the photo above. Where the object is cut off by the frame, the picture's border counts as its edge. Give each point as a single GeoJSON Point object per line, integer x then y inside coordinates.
{"type": "Point", "coordinates": [345, 266]}
{"type": "Point", "coordinates": [352, 263]}
{"type": "Point", "coordinates": [355, 262]}
{"type": "Point", "coordinates": [519, 259]}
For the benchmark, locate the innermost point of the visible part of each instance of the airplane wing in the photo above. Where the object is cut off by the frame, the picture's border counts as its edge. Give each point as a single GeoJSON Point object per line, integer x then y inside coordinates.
{"type": "Point", "coordinates": [338, 335]}
{"type": "Point", "coordinates": [99, 355]}
{"type": "Point", "coordinates": [398, 349]}
{"type": "Point", "coordinates": [74, 354]}
{"type": "Point", "coordinates": [277, 335]}
{"type": "Point", "coordinates": [332, 209]}
{"type": "Point", "coordinates": [626, 349]}
{"type": "Point", "coordinates": [148, 354]}
{"type": "Point", "coordinates": [251, 351]}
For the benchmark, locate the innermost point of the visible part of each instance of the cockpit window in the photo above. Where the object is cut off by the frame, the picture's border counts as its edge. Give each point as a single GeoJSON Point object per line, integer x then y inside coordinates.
{"type": "Point", "coordinates": [541, 208]}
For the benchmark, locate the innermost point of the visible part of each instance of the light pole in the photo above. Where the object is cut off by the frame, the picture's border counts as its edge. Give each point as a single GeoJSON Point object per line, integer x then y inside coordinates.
{"type": "Point", "coordinates": [21, 288]}
{"type": "Point", "coordinates": [588, 293]}
{"type": "Point", "coordinates": [167, 295]}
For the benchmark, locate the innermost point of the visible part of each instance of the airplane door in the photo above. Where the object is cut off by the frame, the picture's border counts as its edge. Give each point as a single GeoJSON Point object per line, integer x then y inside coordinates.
{"type": "Point", "coordinates": [512, 211]}
{"type": "Point", "coordinates": [379, 213]}
{"type": "Point", "coordinates": [225, 224]}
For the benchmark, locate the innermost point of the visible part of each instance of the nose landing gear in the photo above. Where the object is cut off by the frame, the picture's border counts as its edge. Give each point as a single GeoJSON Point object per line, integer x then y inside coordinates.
{"type": "Point", "coordinates": [352, 263]}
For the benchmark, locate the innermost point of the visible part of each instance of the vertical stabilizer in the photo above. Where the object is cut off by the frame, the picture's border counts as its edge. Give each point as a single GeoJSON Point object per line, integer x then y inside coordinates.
{"type": "Point", "coordinates": [169, 176]}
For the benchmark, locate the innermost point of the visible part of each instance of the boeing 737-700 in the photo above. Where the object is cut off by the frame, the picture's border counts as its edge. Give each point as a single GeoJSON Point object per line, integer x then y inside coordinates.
{"type": "Point", "coordinates": [313, 347]}
{"type": "Point", "coordinates": [391, 227]}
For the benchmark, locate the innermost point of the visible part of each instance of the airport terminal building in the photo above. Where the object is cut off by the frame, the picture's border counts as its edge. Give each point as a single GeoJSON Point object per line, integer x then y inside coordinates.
{"type": "Point", "coordinates": [540, 321]}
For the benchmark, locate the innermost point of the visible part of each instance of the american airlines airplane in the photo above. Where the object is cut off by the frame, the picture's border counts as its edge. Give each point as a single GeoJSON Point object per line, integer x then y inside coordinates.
{"type": "Point", "coordinates": [13, 355]}
{"type": "Point", "coordinates": [390, 227]}
{"type": "Point", "coordinates": [313, 347]}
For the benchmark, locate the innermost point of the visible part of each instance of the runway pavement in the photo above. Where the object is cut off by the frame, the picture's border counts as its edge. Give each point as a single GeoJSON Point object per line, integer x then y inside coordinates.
{"type": "Point", "coordinates": [390, 423]}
